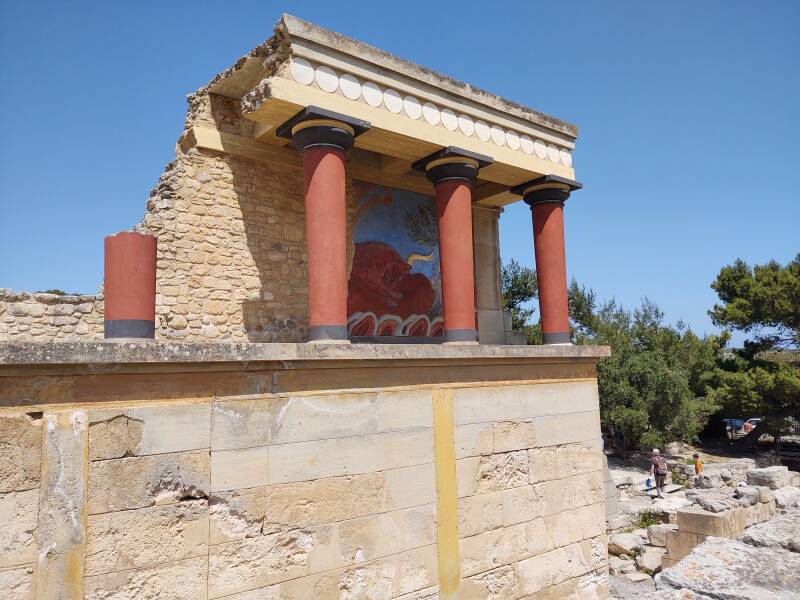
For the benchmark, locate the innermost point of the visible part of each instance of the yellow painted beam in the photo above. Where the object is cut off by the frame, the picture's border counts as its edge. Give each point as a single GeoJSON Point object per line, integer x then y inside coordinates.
{"type": "Point", "coordinates": [446, 495]}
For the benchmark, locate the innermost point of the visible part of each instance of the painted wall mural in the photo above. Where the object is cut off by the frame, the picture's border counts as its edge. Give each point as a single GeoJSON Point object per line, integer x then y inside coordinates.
{"type": "Point", "coordinates": [395, 283]}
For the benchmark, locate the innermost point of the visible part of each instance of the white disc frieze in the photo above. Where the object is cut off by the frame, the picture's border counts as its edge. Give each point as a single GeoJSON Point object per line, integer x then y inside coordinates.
{"type": "Point", "coordinates": [326, 78]}
{"type": "Point", "coordinates": [552, 152]}
{"type": "Point", "coordinates": [482, 131]}
{"type": "Point", "coordinates": [512, 139]}
{"type": "Point", "coordinates": [350, 86]}
{"type": "Point", "coordinates": [540, 148]}
{"type": "Point", "coordinates": [302, 71]}
{"type": "Point", "coordinates": [412, 107]}
{"type": "Point", "coordinates": [566, 157]}
{"type": "Point", "coordinates": [393, 101]}
{"type": "Point", "coordinates": [526, 143]}
{"type": "Point", "coordinates": [372, 94]}
{"type": "Point", "coordinates": [430, 112]}
{"type": "Point", "coordinates": [449, 120]}
{"type": "Point", "coordinates": [466, 125]}
{"type": "Point", "coordinates": [498, 135]}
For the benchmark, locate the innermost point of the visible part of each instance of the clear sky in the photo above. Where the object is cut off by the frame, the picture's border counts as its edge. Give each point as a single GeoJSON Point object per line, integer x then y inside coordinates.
{"type": "Point", "coordinates": [689, 117]}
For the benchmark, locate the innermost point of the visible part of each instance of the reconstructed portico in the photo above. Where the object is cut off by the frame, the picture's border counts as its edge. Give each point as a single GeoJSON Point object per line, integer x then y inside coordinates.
{"type": "Point", "coordinates": [297, 382]}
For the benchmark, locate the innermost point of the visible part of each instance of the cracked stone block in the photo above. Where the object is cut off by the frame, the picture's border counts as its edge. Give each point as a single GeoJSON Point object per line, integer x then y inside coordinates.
{"type": "Point", "coordinates": [20, 453]}
{"type": "Point", "coordinates": [181, 580]}
{"type": "Point", "coordinates": [657, 534]}
{"type": "Point", "coordinates": [147, 536]}
{"type": "Point", "coordinates": [781, 532]}
{"type": "Point", "coordinates": [627, 544]}
{"type": "Point", "coordinates": [140, 431]}
{"type": "Point", "coordinates": [138, 482]}
{"type": "Point", "coordinates": [787, 497]}
{"type": "Point", "coordinates": [557, 462]}
{"type": "Point", "coordinates": [18, 515]}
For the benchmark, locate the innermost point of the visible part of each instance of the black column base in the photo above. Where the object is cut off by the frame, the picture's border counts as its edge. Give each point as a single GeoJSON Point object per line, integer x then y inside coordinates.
{"type": "Point", "coordinates": [556, 338]}
{"type": "Point", "coordinates": [333, 333]}
{"type": "Point", "coordinates": [129, 328]}
{"type": "Point", "coordinates": [460, 335]}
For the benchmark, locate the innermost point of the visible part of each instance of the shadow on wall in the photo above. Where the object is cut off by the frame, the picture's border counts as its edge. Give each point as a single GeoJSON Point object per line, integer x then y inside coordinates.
{"type": "Point", "coordinates": [270, 198]}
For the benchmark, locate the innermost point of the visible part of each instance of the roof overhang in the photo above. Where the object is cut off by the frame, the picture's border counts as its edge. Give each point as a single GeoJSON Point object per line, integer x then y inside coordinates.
{"type": "Point", "coordinates": [413, 111]}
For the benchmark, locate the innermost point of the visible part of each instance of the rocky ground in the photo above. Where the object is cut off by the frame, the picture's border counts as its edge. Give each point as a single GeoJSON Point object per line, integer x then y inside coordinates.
{"type": "Point", "coordinates": [638, 534]}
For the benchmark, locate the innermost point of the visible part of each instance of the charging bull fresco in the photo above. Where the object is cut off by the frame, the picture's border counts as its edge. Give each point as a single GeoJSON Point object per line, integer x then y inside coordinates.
{"type": "Point", "coordinates": [395, 284]}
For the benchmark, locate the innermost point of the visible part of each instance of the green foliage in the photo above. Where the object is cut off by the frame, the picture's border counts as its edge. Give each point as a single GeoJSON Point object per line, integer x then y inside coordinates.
{"type": "Point", "coordinates": [519, 287]}
{"type": "Point", "coordinates": [56, 292]}
{"type": "Point", "coordinates": [763, 300]}
{"type": "Point", "coordinates": [646, 518]}
{"type": "Point", "coordinates": [653, 388]}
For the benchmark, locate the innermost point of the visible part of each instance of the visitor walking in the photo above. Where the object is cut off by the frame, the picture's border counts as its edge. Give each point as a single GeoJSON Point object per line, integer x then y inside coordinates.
{"type": "Point", "coordinates": [658, 470]}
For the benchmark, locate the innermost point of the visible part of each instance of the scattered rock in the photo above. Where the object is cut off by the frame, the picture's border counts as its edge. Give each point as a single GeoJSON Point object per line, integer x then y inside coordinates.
{"type": "Point", "coordinates": [650, 559]}
{"type": "Point", "coordinates": [773, 477]}
{"type": "Point", "coordinates": [708, 480]}
{"type": "Point", "coordinates": [781, 532]}
{"type": "Point", "coordinates": [765, 494]}
{"type": "Point", "coordinates": [637, 576]}
{"type": "Point", "coordinates": [623, 588]}
{"type": "Point", "coordinates": [715, 503]}
{"type": "Point", "coordinates": [657, 534]}
{"type": "Point", "coordinates": [733, 570]}
{"type": "Point", "coordinates": [625, 543]}
{"type": "Point", "coordinates": [747, 495]}
{"type": "Point", "coordinates": [787, 497]}
{"type": "Point", "coordinates": [618, 566]}
{"type": "Point", "coordinates": [621, 521]}
{"type": "Point", "coordinates": [668, 507]}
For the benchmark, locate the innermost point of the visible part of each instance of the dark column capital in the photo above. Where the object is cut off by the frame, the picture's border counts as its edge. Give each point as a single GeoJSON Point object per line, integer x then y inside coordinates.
{"type": "Point", "coordinates": [548, 189]}
{"type": "Point", "coordinates": [452, 163]}
{"type": "Point", "coordinates": [314, 126]}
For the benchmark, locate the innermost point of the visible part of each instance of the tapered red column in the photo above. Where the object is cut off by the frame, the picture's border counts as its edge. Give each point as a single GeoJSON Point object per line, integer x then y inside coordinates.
{"type": "Point", "coordinates": [326, 242]}
{"type": "Point", "coordinates": [324, 138]}
{"type": "Point", "coordinates": [453, 175]}
{"type": "Point", "coordinates": [130, 286]}
{"type": "Point", "coordinates": [546, 197]}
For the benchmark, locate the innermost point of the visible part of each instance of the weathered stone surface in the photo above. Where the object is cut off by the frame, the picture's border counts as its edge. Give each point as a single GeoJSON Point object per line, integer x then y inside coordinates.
{"type": "Point", "coordinates": [650, 559]}
{"type": "Point", "coordinates": [140, 431]}
{"type": "Point", "coordinates": [61, 527]}
{"type": "Point", "coordinates": [137, 482]}
{"type": "Point", "coordinates": [747, 495]}
{"type": "Point", "coordinates": [732, 570]}
{"type": "Point", "coordinates": [557, 462]}
{"type": "Point", "coordinates": [781, 532]}
{"type": "Point", "coordinates": [765, 494]}
{"type": "Point", "coordinates": [18, 513]}
{"type": "Point", "coordinates": [181, 580]}
{"type": "Point", "coordinates": [20, 452]}
{"type": "Point", "coordinates": [677, 595]}
{"type": "Point", "coordinates": [501, 471]}
{"type": "Point", "coordinates": [147, 536]}
{"type": "Point", "coordinates": [787, 497]}
{"type": "Point", "coordinates": [708, 480]}
{"type": "Point", "coordinates": [16, 583]}
{"type": "Point", "coordinates": [617, 564]}
{"type": "Point", "coordinates": [772, 477]}
{"type": "Point", "coordinates": [297, 418]}
{"type": "Point", "coordinates": [669, 506]}
{"type": "Point", "coordinates": [622, 588]}
{"type": "Point", "coordinates": [657, 534]}
{"type": "Point", "coordinates": [625, 543]}
{"type": "Point", "coordinates": [715, 503]}
{"type": "Point", "coordinates": [696, 520]}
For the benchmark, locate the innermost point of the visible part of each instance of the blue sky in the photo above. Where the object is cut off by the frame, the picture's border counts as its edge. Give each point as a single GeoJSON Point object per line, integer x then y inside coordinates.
{"type": "Point", "coordinates": [689, 115]}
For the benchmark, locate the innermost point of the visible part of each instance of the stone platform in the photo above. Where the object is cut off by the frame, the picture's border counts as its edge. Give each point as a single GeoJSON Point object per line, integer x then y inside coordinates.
{"type": "Point", "coordinates": [244, 471]}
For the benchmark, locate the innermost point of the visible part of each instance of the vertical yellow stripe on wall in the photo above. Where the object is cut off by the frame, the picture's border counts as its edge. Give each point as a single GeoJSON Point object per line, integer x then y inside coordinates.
{"type": "Point", "coordinates": [446, 496]}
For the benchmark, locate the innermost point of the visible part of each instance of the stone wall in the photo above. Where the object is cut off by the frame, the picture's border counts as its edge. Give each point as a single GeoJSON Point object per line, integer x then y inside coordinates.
{"type": "Point", "coordinates": [263, 482]}
{"type": "Point", "coordinates": [44, 317]}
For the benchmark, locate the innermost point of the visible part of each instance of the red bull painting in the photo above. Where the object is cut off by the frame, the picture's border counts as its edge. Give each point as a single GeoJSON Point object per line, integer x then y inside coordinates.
{"type": "Point", "coordinates": [395, 283]}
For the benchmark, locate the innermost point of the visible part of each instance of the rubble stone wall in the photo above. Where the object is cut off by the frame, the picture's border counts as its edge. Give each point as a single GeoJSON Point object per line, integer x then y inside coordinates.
{"type": "Point", "coordinates": [44, 317]}
{"type": "Point", "coordinates": [325, 494]}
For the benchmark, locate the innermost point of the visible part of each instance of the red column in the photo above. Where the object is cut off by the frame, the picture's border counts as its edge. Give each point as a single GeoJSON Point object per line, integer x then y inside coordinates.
{"type": "Point", "coordinates": [546, 196]}
{"type": "Point", "coordinates": [130, 285]}
{"type": "Point", "coordinates": [454, 212]}
{"type": "Point", "coordinates": [326, 239]}
{"type": "Point", "coordinates": [551, 271]}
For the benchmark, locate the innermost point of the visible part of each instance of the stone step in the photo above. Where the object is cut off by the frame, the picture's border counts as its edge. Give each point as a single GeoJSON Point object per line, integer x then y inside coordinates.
{"type": "Point", "coordinates": [670, 488]}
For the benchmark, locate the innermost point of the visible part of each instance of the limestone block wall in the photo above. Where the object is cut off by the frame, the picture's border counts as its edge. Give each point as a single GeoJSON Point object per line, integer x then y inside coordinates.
{"type": "Point", "coordinates": [259, 482]}
{"type": "Point", "coordinates": [49, 317]}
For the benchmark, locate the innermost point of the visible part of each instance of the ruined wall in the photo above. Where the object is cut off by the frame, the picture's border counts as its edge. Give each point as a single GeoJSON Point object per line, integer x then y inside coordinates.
{"type": "Point", "coordinates": [231, 241]}
{"type": "Point", "coordinates": [43, 317]}
{"type": "Point", "coordinates": [313, 493]}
